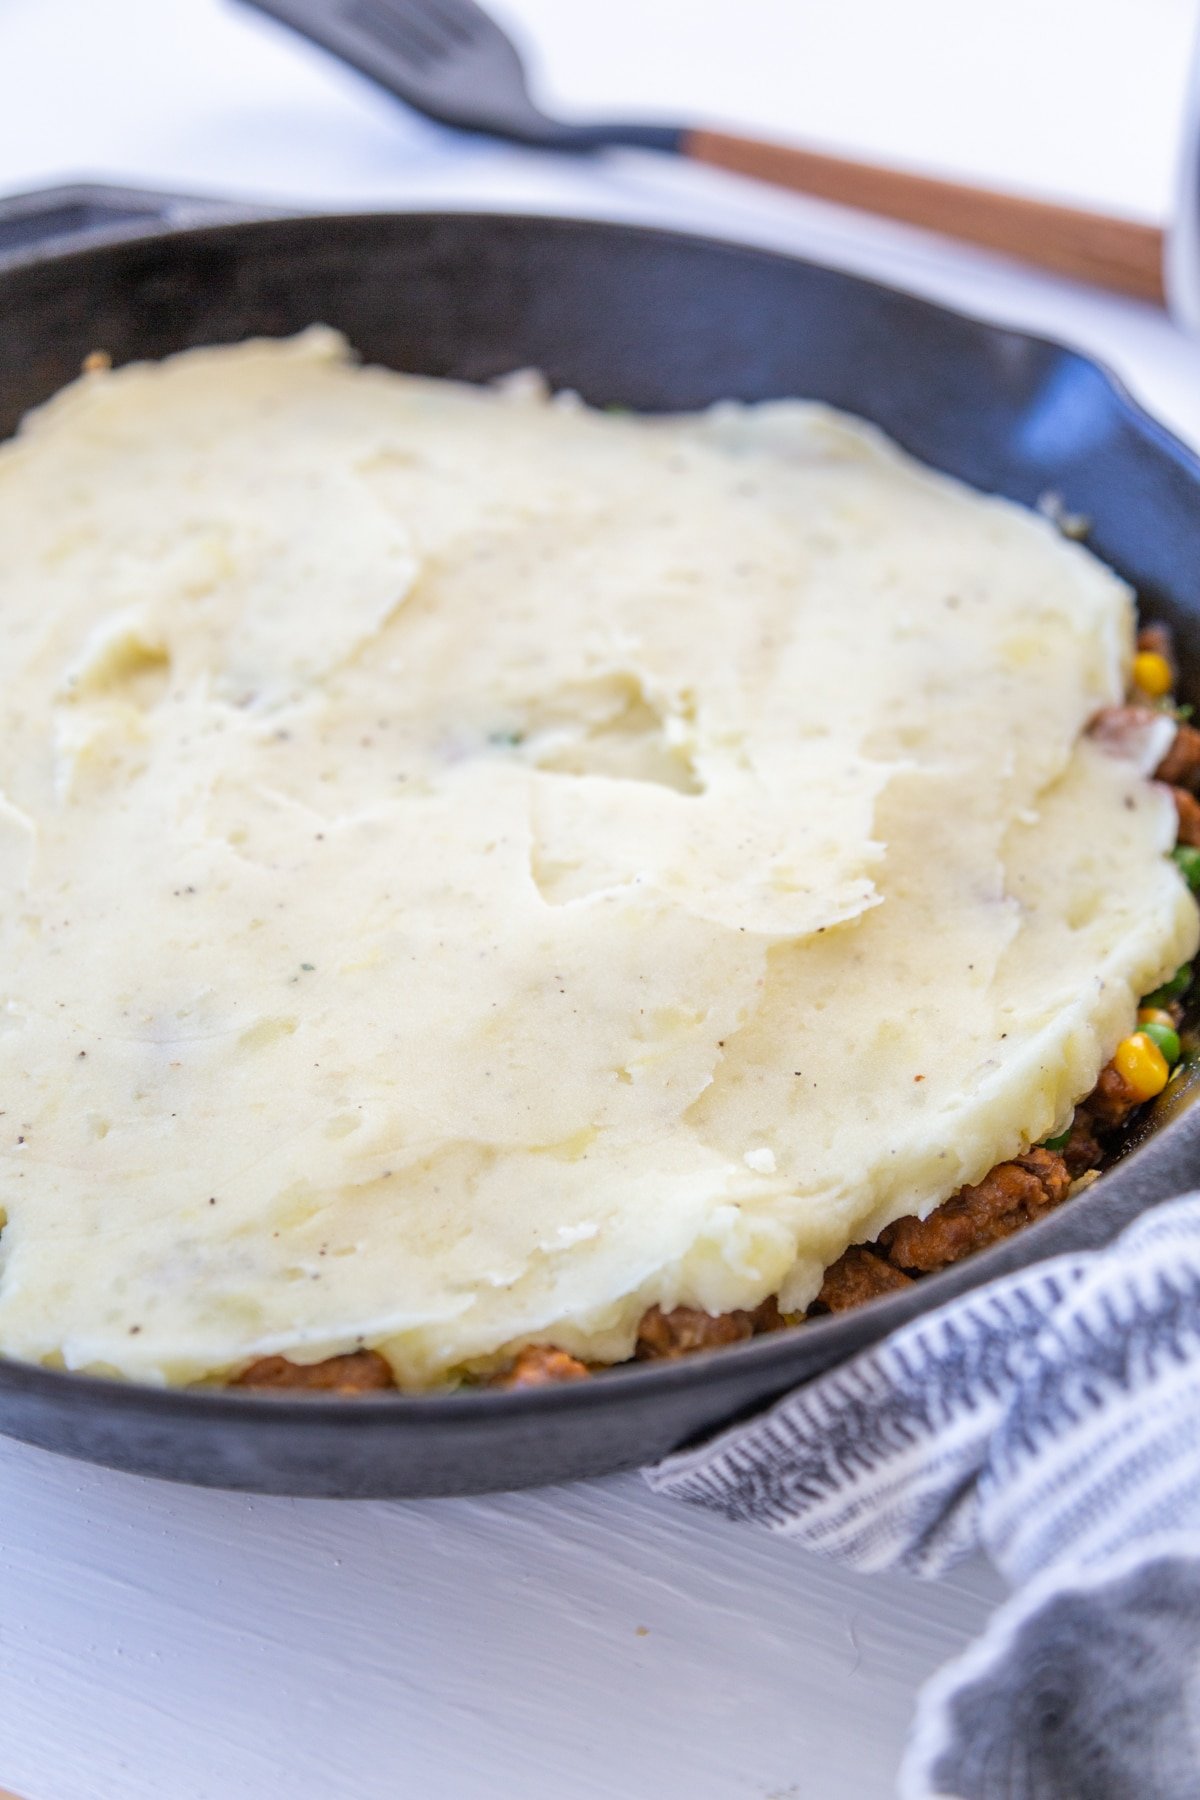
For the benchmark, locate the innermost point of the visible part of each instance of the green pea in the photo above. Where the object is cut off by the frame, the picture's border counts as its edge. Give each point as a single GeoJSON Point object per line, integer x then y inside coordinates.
{"type": "Point", "coordinates": [1057, 1143]}
{"type": "Point", "coordinates": [1167, 1039]}
{"type": "Point", "coordinates": [1179, 984]}
{"type": "Point", "coordinates": [1187, 861]}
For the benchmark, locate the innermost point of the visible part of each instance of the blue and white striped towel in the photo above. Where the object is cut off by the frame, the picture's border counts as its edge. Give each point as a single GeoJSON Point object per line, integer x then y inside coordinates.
{"type": "Point", "coordinates": [1052, 1419]}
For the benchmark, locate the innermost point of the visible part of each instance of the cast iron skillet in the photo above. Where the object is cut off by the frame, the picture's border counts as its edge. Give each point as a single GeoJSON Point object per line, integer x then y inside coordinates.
{"type": "Point", "coordinates": [652, 321]}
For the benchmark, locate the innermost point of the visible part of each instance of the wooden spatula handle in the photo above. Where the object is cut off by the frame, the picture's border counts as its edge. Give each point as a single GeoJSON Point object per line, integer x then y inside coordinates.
{"type": "Point", "coordinates": [1113, 253]}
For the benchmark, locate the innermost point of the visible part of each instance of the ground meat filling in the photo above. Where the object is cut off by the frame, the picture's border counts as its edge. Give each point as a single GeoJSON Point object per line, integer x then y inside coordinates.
{"type": "Point", "coordinates": [1187, 808]}
{"type": "Point", "coordinates": [1110, 1102]}
{"type": "Point", "coordinates": [1158, 639]}
{"type": "Point", "coordinates": [358, 1372]}
{"type": "Point", "coordinates": [685, 1329]}
{"type": "Point", "coordinates": [1180, 767]}
{"type": "Point", "coordinates": [859, 1274]}
{"type": "Point", "coordinates": [1011, 1195]}
{"type": "Point", "coordinates": [539, 1365]}
{"type": "Point", "coordinates": [1083, 1149]}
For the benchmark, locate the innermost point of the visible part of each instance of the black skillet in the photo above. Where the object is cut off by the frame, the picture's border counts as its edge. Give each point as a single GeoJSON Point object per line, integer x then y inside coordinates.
{"type": "Point", "coordinates": [654, 321]}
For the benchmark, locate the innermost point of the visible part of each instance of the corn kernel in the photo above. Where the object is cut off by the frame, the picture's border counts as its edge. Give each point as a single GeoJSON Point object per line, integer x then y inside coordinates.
{"type": "Point", "coordinates": [1141, 1065]}
{"type": "Point", "coordinates": [1155, 1015]}
{"type": "Point", "coordinates": [1152, 673]}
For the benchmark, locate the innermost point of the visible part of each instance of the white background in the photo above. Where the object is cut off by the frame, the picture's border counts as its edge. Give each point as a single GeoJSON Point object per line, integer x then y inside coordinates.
{"type": "Point", "coordinates": [574, 1644]}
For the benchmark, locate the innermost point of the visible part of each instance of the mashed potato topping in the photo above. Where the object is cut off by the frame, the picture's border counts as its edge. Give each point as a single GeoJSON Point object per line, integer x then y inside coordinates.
{"type": "Point", "coordinates": [472, 867]}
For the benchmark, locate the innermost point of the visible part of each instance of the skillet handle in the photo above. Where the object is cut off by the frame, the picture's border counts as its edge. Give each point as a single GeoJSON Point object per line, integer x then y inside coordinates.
{"type": "Point", "coordinates": [54, 219]}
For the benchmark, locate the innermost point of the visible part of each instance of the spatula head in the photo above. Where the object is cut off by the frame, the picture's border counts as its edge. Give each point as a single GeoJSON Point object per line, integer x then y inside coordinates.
{"type": "Point", "coordinates": [449, 60]}
{"type": "Point", "coordinates": [446, 58]}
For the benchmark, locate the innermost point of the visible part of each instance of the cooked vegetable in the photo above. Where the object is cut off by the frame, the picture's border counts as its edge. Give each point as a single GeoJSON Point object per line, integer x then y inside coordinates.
{"type": "Point", "coordinates": [1141, 1065]}
{"type": "Point", "coordinates": [1187, 857]}
{"type": "Point", "coordinates": [1152, 673]}
{"type": "Point", "coordinates": [1166, 1037]}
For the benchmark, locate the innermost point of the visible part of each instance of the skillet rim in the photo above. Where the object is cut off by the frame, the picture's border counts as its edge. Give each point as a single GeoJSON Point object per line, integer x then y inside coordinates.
{"type": "Point", "coordinates": [771, 1352]}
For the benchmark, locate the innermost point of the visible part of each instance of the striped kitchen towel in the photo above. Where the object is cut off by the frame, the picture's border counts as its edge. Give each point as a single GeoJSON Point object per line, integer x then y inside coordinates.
{"type": "Point", "coordinates": [1052, 1419]}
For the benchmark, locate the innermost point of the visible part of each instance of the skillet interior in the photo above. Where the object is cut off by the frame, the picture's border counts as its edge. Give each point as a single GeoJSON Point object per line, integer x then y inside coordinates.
{"type": "Point", "coordinates": [654, 321]}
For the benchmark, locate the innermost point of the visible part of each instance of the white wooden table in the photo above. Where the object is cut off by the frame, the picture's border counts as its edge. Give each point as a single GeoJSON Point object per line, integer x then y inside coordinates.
{"type": "Point", "coordinates": [588, 1642]}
